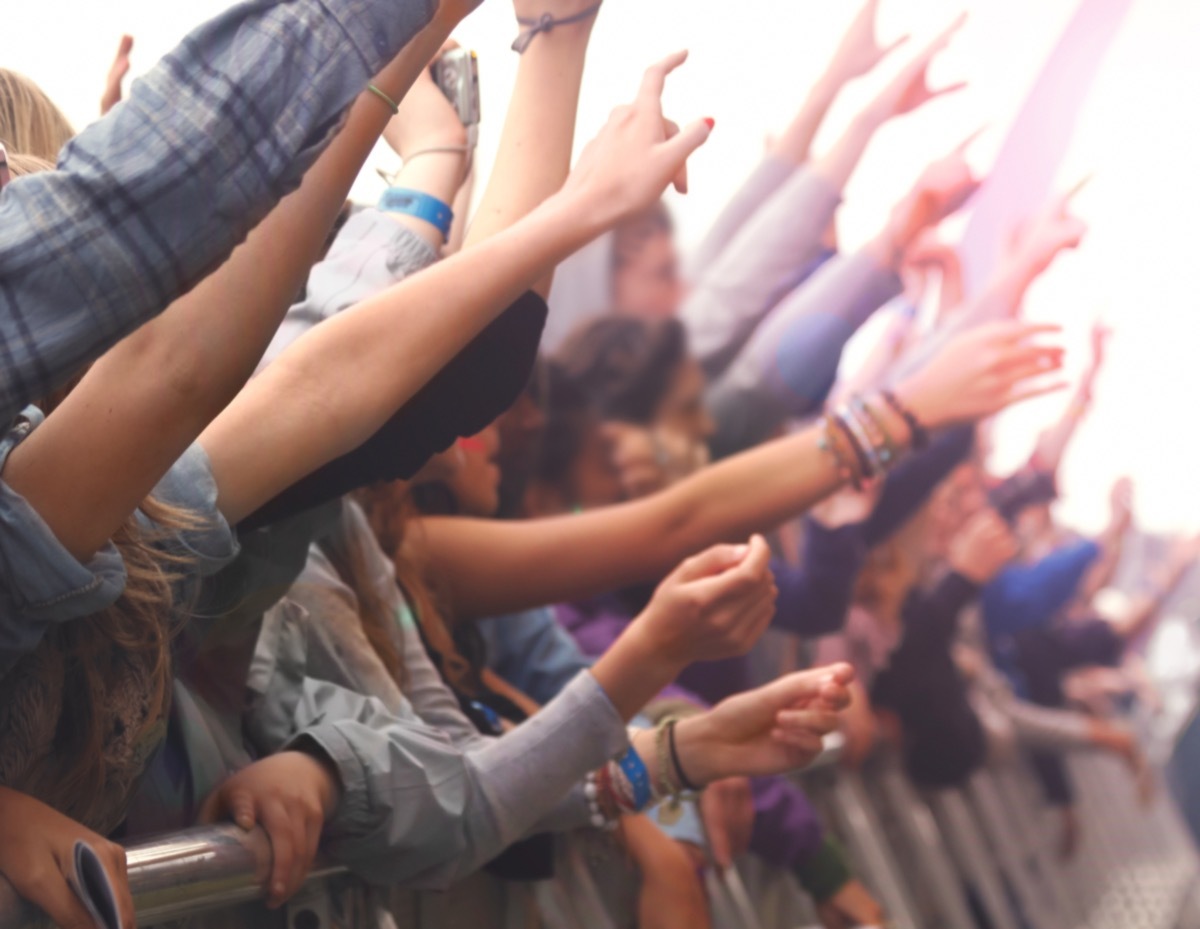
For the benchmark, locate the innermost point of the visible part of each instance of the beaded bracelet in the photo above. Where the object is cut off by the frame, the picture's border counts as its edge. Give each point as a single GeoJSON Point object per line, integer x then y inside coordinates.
{"type": "Point", "coordinates": [864, 471]}
{"type": "Point", "coordinates": [920, 435]}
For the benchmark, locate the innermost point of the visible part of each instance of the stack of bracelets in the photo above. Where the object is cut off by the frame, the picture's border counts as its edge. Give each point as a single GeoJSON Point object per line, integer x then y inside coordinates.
{"type": "Point", "coordinates": [624, 786]}
{"type": "Point", "coordinates": [857, 437]}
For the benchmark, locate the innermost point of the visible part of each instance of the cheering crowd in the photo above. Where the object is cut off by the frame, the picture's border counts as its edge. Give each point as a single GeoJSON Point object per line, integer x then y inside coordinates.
{"type": "Point", "coordinates": [362, 525]}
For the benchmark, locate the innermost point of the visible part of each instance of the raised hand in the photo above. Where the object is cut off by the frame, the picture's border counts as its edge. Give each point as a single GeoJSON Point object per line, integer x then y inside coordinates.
{"type": "Point", "coordinates": [1120, 502]}
{"type": "Point", "coordinates": [776, 728]}
{"type": "Point", "coordinates": [910, 89]}
{"type": "Point", "coordinates": [859, 51]}
{"type": "Point", "coordinates": [941, 190]}
{"type": "Point", "coordinates": [714, 605]}
{"type": "Point", "coordinates": [290, 795]}
{"type": "Point", "coordinates": [113, 84]}
{"type": "Point", "coordinates": [982, 371]}
{"type": "Point", "coordinates": [1052, 231]}
{"type": "Point", "coordinates": [637, 153]}
{"type": "Point", "coordinates": [984, 546]}
{"type": "Point", "coordinates": [37, 855]}
{"type": "Point", "coordinates": [427, 120]}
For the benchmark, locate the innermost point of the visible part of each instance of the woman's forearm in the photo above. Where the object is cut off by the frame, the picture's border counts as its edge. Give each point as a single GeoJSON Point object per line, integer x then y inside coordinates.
{"type": "Point", "coordinates": [483, 564]}
{"type": "Point", "coordinates": [200, 352]}
{"type": "Point", "coordinates": [354, 371]}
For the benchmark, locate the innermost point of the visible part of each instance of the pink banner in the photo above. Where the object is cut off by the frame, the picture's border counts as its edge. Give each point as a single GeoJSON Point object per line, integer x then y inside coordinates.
{"type": "Point", "coordinates": [1020, 181]}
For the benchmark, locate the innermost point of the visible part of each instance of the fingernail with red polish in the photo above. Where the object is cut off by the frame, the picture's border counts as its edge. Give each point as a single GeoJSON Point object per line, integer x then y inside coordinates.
{"type": "Point", "coordinates": [710, 121]}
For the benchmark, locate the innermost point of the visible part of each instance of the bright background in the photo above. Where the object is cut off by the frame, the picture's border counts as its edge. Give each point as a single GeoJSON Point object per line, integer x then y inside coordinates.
{"type": "Point", "coordinates": [751, 63]}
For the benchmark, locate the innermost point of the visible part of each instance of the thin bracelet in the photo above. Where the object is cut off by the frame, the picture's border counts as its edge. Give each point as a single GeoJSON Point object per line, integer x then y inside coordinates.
{"type": "Point", "coordinates": [891, 450]}
{"type": "Point", "coordinates": [862, 439]}
{"type": "Point", "coordinates": [684, 780]}
{"type": "Point", "coordinates": [828, 442]}
{"type": "Point", "coordinates": [546, 23]}
{"type": "Point", "coordinates": [391, 104]}
{"type": "Point", "coordinates": [920, 435]}
{"type": "Point", "coordinates": [863, 472]}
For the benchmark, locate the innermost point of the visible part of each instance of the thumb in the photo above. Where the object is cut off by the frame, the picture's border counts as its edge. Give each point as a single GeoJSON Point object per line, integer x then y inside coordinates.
{"type": "Point", "coordinates": [711, 562]}
{"type": "Point", "coordinates": [228, 803]}
{"type": "Point", "coordinates": [677, 149]}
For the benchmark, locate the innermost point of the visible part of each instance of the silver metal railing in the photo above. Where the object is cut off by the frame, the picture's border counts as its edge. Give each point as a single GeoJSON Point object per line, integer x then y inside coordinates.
{"type": "Point", "coordinates": [179, 875]}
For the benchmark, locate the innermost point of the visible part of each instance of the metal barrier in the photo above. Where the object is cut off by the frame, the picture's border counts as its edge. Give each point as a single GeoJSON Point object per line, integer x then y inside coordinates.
{"type": "Point", "coordinates": [180, 875]}
{"type": "Point", "coordinates": [929, 858]}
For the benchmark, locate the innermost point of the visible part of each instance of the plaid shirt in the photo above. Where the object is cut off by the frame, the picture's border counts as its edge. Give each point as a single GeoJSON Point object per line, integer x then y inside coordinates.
{"type": "Point", "coordinates": [152, 198]}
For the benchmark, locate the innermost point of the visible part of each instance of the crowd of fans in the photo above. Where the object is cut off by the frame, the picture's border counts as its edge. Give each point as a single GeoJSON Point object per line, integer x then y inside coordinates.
{"type": "Point", "coordinates": [304, 525]}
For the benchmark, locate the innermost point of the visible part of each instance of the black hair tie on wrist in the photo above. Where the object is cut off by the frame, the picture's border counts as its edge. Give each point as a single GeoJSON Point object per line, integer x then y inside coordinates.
{"type": "Point", "coordinates": [684, 781]}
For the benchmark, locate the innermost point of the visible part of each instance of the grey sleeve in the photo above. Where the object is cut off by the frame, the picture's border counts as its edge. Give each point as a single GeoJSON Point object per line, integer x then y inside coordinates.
{"type": "Point", "coordinates": [370, 253]}
{"type": "Point", "coordinates": [767, 177]}
{"type": "Point", "coordinates": [1040, 727]}
{"type": "Point", "coordinates": [414, 807]}
{"type": "Point", "coordinates": [729, 301]}
{"type": "Point", "coordinates": [788, 365]}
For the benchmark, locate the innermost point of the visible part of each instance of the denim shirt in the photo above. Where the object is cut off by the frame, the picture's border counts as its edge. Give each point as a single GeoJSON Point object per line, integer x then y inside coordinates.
{"type": "Point", "coordinates": [41, 583]}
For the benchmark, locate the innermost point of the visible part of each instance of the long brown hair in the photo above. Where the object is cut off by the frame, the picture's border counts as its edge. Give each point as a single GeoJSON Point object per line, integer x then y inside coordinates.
{"type": "Point", "coordinates": [391, 514]}
{"type": "Point", "coordinates": [68, 701]}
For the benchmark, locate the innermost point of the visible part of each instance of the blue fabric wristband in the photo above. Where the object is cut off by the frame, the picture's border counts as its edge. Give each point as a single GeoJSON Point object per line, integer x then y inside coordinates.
{"type": "Point", "coordinates": [418, 204]}
{"type": "Point", "coordinates": [639, 778]}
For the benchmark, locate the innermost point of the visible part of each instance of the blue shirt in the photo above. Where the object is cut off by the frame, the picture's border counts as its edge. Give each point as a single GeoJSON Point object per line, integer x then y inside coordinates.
{"type": "Point", "coordinates": [150, 199]}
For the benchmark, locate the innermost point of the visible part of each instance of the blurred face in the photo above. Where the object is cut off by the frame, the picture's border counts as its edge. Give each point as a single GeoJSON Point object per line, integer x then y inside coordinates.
{"type": "Point", "coordinates": [476, 482]}
{"type": "Point", "coordinates": [682, 410]}
{"type": "Point", "coordinates": [647, 281]}
{"type": "Point", "coordinates": [594, 478]}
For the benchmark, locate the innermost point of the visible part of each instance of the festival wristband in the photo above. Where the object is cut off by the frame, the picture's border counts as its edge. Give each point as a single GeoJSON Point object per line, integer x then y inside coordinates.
{"type": "Point", "coordinates": [418, 204]}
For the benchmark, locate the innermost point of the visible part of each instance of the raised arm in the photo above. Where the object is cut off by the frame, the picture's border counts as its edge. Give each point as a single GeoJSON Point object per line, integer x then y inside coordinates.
{"type": "Point", "coordinates": [858, 53]}
{"type": "Point", "coordinates": [789, 364]}
{"type": "Point", "coordinates": [1111, 542]}
{"type": "Point", "coordinates": [345, 373]}
{"type": "Point", "coordinates": [218, 132]}
{"type": "Point", "coordinates": [480, 562]}
{"type": "Point", "coordinates": [140, 407]}
{"type": "Point", "coordinates": [730, 299]}
{"type": "Point", "coordinates": [1052, 444]}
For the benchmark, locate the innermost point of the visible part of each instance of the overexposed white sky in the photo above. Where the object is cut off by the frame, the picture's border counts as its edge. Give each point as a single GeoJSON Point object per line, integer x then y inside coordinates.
{"type": "Point", "coordinates": [750, 66]}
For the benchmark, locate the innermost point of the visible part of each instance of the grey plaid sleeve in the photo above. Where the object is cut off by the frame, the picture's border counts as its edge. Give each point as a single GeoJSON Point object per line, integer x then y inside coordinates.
{"type": "Point", "coordinates": [150, 199]}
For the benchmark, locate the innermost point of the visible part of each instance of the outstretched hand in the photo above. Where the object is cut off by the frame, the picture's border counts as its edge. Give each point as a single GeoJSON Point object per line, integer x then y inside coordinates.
{"type": "Point", "coordinates": [943, 189]}
{"type": "Point", "coordinates": [982, 371]}
{"type": "Point", "coordinates": [114, 83]}
{"type": "Point", "coordinates": [909, 89]}
{"type": "Point", "coordinates": [714, 605]}
{"type": "Point", "coordinates": [1052, 231]}
{"type": "Point", "coordinates": [638, 152]}
{"type": "Point", "coordinates": [859, 52]}
{"type": "Point", "coordinates": [776, 728]}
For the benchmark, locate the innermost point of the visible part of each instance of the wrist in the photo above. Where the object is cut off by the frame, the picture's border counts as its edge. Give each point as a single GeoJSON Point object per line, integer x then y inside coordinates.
{"type": "Point", "coordinates": [701, 754]}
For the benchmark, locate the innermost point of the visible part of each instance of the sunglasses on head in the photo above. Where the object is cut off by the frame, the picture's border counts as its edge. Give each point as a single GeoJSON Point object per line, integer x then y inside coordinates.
{"type": "Point", "coordinates": [5, 174]}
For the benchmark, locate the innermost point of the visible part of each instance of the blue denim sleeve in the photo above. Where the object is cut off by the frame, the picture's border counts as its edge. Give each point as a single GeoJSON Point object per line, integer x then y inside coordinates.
{"type": "Point", "coordinates": [533, 652]}
{"type": "Point", "coordinates": [153, 197]}
{"type": "Point", "coordinates": [41, 583]}
{"type": "Point", "coordinates": [1026, 596]}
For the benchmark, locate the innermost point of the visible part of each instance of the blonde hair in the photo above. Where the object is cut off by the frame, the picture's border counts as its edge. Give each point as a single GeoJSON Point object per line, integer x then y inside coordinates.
{"type": "Point", "coordinates": [21, 164]}
{"type": "Point", "coordinates": [30, 123]}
